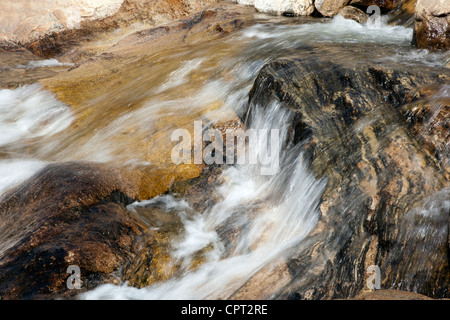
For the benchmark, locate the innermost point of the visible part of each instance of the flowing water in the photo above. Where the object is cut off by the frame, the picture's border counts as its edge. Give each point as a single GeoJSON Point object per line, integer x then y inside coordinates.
{"type": "Point", "coordinates": [172, 90]}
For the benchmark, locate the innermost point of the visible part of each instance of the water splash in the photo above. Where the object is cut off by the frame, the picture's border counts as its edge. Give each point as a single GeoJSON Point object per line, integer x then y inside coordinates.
{"type": "Point", "coordinates": [275, 213]}
{"type": "Point", "coordinates": [30, 112]}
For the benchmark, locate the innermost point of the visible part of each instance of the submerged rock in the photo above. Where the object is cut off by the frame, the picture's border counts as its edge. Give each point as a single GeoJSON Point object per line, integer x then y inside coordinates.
{"type": "Point", "coordinates": [432, 25]}
{"type": "Point", "coordinates": [385, 201]}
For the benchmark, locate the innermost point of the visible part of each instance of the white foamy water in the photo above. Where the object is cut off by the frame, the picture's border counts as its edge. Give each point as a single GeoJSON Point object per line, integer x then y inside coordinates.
{"type": "Point", "coordinates": [180, 75]}
{"type": "Point", "coordinates": [26, 113]}
{"type": "Point", "coordinates": [30, 112]}
{"type": "Point", "coordinates": [273, 213]}
{"type": "Point", "coordinates": [277, 211]}
{"type": "Point", "coordinates": [337, 30]}
{"type": "Point", "coordinates": [420, 56]}
{"type": "Point", "coordinates": [15, 171]}
{"type": "Point", "coordinates": [48, 63]}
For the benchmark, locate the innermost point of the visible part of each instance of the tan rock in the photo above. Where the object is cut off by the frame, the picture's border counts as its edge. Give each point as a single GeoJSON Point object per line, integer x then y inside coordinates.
{"type": "Point", "coordinates": [330, 8]}
{"type": "Point", "coordinates": [390, 295]}
{"type": "Point", "coordinates": [432, 24]}
{"type": "Point", "coordinates": [27, 21]}
{"type": "Point", "coordinates": [282, 7]}
{"type": "Point", "coordinates": [350, 12]}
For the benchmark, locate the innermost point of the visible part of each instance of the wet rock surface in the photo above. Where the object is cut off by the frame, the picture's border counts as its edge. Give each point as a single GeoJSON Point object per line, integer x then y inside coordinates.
{"type": "Point", "coordinates": [330, 8]}
{"type": "Point", "coordinates": [432, 25]}
{"type": "Point", "coordinates": [377, 131]}
{"type": "Point", "coordinates": [67, 214]}
{"type": "Point", "coordinates": [390, 295]}
{"type": "Point", "coordinates": [384, 5]}
{"type": "Point", "coordinates": [50, 28]}
{"type": "Point", "coordinates": [350, 12]}
{"type": "Point", "coordinates": [382, 179]}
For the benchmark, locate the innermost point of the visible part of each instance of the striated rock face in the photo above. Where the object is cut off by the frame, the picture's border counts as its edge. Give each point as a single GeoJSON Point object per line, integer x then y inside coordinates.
{"type": "Point", "coordinates": [47, 25]}
{"type": "Point", "coordinates": [432, 24]}
{"type": "Point", "coordinates": [282, 7]}
{"type": "Point", "coordinates": [330, 8]}
{"type": "Point", "coordinates": [429, 120]}
{"type": "Point", "coordinates": [386, 202]}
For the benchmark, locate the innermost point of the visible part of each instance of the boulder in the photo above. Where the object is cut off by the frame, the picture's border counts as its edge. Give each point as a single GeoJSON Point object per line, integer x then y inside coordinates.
{"type": "Point", "coordinates": [329, 8]}
{"type": "Point", "coordinates": [67, 214]}
{"type": "Point", "coordinates": [385, 201]}
{"type": "Point", "coordinates": [432, 25]}
{"type": "Point", "coordinates": [384, 5]}
{"type": "Point", "coordinates": [282, 7]}
{"type": "Point", "coordinates": [47, 25]}
{"type": "Point", "coordinates": [350, 12]}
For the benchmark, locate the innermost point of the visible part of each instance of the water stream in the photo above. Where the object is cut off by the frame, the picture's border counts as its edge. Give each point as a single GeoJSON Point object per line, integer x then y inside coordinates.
{"type": "Point", "coordinates": [276, 211]}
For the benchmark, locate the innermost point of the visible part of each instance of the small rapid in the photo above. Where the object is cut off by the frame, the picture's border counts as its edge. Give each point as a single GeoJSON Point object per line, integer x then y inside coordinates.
{"type": "Point", "coordinates": [274, 212]}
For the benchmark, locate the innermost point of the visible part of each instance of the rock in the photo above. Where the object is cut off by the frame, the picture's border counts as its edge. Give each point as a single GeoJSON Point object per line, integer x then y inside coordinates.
{"type": "Point", "coordinates": [50, 25]}
{"type": "Point", "coordinates": [432, 25]}
{"type": "Point", "coordinates": [429, 119]}
{"type": "Point", "coordinates": [286, 7]}
{"type": "Point", "coordinates": [403, 14]}
{"type": "Point", "coordinates": [282, 7]}
{"type": "Point", "coordinates": [384, 203]}
{"type": "Point", "coordinates": [74, 213]}
{"type": "Point", "coordinates": [385, 5]}
{"type": "Point", "coordinates": [353, 13]}
{"type": "Point", "coordinates": [390, 295]}
{"type": "Point", "coordinates": [329, 8]}
{"type": "Point", "coordinates": [67, 214]}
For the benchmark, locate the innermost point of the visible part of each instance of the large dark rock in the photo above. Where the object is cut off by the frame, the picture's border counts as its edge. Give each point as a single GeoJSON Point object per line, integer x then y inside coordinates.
{"type": "Point", "coordinates": [67, 214]}
{"type": "Point", "coordinates": [386, 202]}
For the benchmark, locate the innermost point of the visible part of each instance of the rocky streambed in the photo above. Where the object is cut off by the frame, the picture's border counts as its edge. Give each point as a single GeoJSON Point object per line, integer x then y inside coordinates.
{"type": "Point", "coordinates": [363, 179]}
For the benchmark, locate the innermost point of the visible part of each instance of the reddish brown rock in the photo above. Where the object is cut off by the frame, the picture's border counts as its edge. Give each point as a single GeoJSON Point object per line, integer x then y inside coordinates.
{"type": "Point", "coordinates": [67, 214]}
